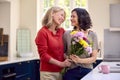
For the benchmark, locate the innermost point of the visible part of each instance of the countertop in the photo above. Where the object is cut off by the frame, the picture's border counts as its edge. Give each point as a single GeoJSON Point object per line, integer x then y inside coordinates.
{"type": "Point", "coordinates": [96, 75]}
{"type": "Point", "coordinates": [18, 60]}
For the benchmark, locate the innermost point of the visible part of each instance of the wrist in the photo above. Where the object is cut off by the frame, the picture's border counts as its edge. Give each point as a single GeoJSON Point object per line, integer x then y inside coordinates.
{"type": "Point", "coordinates": [80, 60]}
{"type": "Point", "coordinates": [55, 62]}
{"type": "Point", "coordinates": [59, 63]}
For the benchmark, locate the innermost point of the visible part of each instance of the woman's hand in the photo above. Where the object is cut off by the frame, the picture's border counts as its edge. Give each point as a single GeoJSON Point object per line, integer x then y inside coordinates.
{"type": "Point", "coordinates": [65, 63]}
{"type": "Point", "coordinates": [75, 58]}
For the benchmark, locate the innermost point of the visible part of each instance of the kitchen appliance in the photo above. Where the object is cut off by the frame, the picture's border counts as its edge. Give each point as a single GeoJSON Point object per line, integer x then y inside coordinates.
{"type": "Point", "coordinates": [111, 45]}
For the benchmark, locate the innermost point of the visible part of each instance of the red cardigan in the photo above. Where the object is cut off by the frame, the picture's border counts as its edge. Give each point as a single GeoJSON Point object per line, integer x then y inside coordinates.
{"type": "Point", "coordinates": [50, 46]}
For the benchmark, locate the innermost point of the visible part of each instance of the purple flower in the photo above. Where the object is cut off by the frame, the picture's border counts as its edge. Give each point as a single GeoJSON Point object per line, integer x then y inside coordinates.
{"type": "Point", "coordinates": [79, 34]}
{"type": "Point", "coordinates": [89, 50]}
{"type": "Point", "coordinates": [80, 44]}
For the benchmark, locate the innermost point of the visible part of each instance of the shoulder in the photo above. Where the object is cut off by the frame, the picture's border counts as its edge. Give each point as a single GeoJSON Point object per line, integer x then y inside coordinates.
{"type": "Point", "coordinates": [61, 30]}
{"type": "Point", "coordinates": [43, 31]}
{"type": "Point", "coordinates": [91, 32]}
{"type": "Point", "coordinates": [67, 32]}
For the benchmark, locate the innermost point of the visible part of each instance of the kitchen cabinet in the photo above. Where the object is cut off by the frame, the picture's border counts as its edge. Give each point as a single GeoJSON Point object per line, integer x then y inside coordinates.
{"type": "Point", "coordinates": [114, 17]}
{"type": "Point", "coordinates": [35, 65]}
{"type": "Point", "coordinates": [97, 62]}
{"type": "Point", "coordinates": [111, 45]}
{"type": "Point", "coordinates": [24, 70]}
{"type": "Point", "coordinates": [7, 72]}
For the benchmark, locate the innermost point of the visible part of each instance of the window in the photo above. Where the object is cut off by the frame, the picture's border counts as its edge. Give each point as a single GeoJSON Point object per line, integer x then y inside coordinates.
{"type": "Point", "coordinates": [68, 5]}
{"type": "Point", "coordinates": [48, 3]}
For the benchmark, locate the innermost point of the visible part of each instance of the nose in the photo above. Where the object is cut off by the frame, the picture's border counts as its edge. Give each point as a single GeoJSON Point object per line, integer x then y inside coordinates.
{"type": "Point", "coordinates": [62, 18]}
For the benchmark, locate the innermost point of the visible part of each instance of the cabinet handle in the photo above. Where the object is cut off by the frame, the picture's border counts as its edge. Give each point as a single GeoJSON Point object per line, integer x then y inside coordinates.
{"type": "Point", "coordinates": [28, 61]}
{"type": "Point", "coordinates": [9, 75]}
{"type": "Point", "coordinates": [20, 63]}
{"type": "Point", "coordinates": [37, 61]}
{"type": "Point", "coordinates": [28, 78]}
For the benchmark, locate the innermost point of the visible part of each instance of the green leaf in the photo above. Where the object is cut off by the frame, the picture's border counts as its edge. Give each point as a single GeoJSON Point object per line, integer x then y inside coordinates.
{"type": "Point", "coordinates": [77, 49]}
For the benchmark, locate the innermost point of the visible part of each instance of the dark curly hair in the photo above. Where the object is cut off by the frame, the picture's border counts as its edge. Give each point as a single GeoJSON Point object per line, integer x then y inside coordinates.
{"type": "Point", "coordinates": [83, 18]}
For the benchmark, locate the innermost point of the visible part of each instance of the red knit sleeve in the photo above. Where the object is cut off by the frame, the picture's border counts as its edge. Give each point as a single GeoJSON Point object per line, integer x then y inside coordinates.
{"type": "Point", "coordinates": [41, 42]}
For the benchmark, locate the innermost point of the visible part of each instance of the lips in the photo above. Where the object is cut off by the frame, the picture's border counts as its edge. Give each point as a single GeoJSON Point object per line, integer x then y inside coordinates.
{"type": "Point", "coordinates": [73, 22]}
{"type": "Point", "coordinates": [61, 21]}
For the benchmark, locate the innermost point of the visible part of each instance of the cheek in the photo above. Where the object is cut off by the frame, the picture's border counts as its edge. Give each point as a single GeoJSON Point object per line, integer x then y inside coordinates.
{"type": "Point", "coordinates": [75, 21]}
{"type": "Point", "coordinates": [55, 18]}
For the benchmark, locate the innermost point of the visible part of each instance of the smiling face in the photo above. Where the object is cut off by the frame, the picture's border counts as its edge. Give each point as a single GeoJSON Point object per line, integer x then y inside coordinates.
{"type": "Point", "coordinates": [74, 19]}
{"type": "Point", "coordinates": [59, 17]}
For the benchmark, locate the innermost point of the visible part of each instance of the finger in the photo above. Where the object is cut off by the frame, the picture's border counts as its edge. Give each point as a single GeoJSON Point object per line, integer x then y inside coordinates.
{"type": "Point", "coordinates": [69, 60]}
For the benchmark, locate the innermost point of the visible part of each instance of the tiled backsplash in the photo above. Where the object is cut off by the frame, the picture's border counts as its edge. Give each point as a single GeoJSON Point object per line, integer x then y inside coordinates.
{"type": "Point", "coordinates": [23, 41]}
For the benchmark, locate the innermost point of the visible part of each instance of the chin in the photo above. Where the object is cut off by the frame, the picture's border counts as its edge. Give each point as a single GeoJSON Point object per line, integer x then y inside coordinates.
{"type": "Point", "coordinates": [72, 24]}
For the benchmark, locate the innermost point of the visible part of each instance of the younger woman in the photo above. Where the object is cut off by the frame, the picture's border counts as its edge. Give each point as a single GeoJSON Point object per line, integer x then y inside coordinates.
{"type": "Point", "coordinates": [82, 64]}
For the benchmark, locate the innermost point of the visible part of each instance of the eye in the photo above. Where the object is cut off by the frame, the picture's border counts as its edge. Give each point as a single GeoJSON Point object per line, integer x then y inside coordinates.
{"type": "Point", "coordinates": [72, 16]}
{"type": "Point", "coordinates": [62, 15]}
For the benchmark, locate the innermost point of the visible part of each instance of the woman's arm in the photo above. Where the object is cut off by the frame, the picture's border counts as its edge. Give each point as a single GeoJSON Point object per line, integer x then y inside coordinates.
{"type": "Point", "coordinates": [91, 59]}
{"type": "Point", "coordinates": [65, 63]}
{"type": "Point", "coordinates": [41, 42]}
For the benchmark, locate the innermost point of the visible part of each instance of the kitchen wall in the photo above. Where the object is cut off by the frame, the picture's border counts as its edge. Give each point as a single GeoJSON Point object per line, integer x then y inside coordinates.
{"type": "Point", "coordinates": [21, 14]}
{"type": "Point", "coordinates": [5, 17]}
{"type": "Point", "coordinates": [99, 11]}
{"type": "Point", "coordinates": [12, 24]}
{"type": "Point", "coordinates": [27, 14]}
{"type": "Point", "coordinates": [28, 19]}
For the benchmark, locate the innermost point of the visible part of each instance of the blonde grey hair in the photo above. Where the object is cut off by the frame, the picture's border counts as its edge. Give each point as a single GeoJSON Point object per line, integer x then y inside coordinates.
{"type": "Point", "coordinates": [47, 19]}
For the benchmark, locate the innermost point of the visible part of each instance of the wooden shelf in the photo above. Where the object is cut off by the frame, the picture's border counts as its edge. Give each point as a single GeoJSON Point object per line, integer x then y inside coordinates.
{"type": "Point", "coordinates": [3, 59]}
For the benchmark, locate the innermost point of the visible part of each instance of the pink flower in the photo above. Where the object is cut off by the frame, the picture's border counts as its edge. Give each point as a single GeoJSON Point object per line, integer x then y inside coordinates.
{"type": "Point", "coordinates": [89, 50]}
{"type": "Point", "coordinates": [80, 44]}
{"type": "Point", "coordinates": [79, 34]}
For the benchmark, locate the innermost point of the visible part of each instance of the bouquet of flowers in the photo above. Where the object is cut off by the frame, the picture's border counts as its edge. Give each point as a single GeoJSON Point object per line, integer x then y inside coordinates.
{"type": "Point", "coordinates": [79, 43]}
